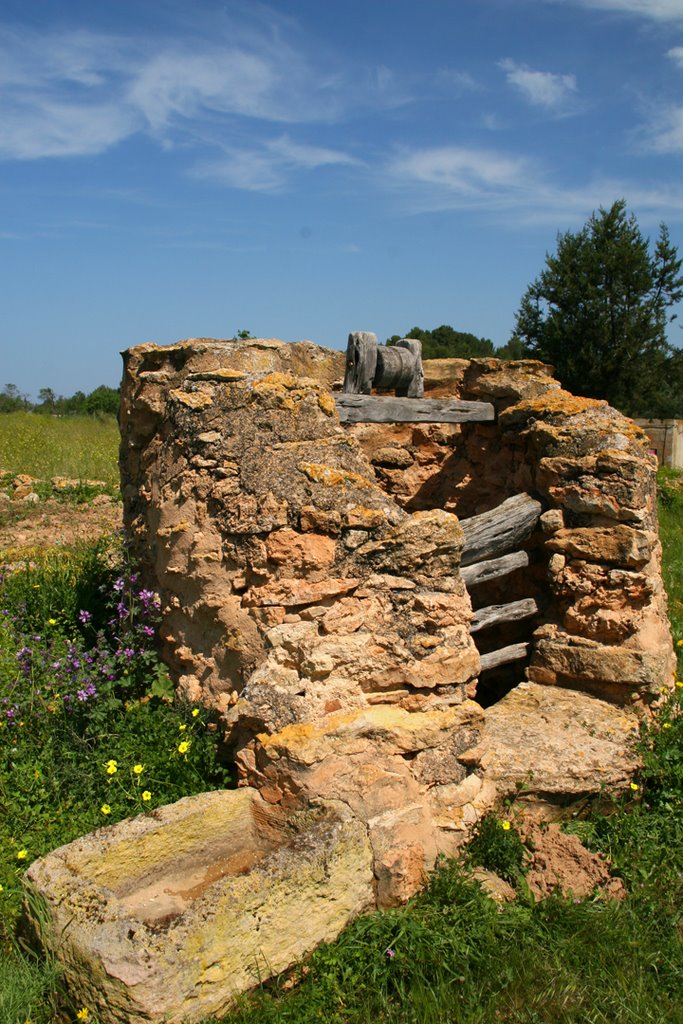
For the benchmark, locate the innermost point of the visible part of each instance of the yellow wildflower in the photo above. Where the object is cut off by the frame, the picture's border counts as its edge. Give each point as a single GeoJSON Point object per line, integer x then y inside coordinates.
{"type": "Point", "coordinates": [183, 747]}
{"type": "Point", "coordinates": [52, 622]}
{"type": "Point", "coordinates": [195, 712]}
{"type": "Point", "coordinates": [679, 643]}
{"type": "Point", "coordinates": [505, 825]}
{"type": "Point", "coordinates": [182, 728]}
{"type": "Point", "coordinates": [146, 796]}
{"type": "Point", "coordinates": [83, 1014]}
{"type": "Point", "coordinates": [2, 888]}
{"type": "Point", "coordinates": [112, 767]}
{"type": "Point", "coordinates": [138, 769]}
{"type": "Point", "coordinates": [635, 787]}
{"type": "Point", "coordinates": [105, 808]}
{"type": "Point", "coordinates": [679, 684]}
{"type": "Point", "coordinates": [22, 854]}
{"type": "Point", "coordinates": [667, 725]}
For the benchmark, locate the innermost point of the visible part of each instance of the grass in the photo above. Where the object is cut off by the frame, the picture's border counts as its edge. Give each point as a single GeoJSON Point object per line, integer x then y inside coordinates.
{"type": "Point", "coordinates": [77, 447]}
{"type": "Point", "coordinates": [451, 955]}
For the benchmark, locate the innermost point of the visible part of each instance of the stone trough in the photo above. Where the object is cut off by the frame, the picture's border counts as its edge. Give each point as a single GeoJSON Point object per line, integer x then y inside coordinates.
{"type": "Point", "coordinates": [169, 915]}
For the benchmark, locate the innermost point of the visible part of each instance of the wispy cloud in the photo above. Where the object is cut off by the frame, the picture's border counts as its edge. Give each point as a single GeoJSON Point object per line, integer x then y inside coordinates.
{"type": "Point", "coordinates": [460, 177]}
{"type": "Point", "coordinates": [676, 54]}
{"type": "Point", "coordinates": [267, 167]}
{"type": "Point", "coordinates": [68, 94]}
{"type": "Point", "coordinates": [514, 190]}
{"type": "Point", "coordinates": [658, 10]}
{"type": "Point", "coordinates": [666, 131]}
{"type": "Point", "coordinates": [541, 88]}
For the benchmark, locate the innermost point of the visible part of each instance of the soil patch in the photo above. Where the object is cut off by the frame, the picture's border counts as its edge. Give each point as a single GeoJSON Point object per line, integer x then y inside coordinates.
{"type": "Point", "coordinates": [27, 527]}
{"type": "Point", "coordinates": [561, 862]}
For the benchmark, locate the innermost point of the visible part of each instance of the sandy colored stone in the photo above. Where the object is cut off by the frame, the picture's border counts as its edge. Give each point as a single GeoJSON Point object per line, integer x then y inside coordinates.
{"type": "Point", "coordinates": [619, 545]}
{"type": "Point", "coordinates": [558, 744]}
{"type": "Point", "coordinates": [300, 551]}
{"type": "Point", "coordinates": [170, 915]}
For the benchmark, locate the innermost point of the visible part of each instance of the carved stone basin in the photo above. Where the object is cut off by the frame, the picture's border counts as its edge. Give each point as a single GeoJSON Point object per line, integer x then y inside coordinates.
{"type": "Point", "coordinates": [177, 911]}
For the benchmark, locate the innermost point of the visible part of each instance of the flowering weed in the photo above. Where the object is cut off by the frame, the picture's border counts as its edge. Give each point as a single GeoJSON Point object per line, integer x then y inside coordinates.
{"type": "Point", "coordinates": [88, 730]}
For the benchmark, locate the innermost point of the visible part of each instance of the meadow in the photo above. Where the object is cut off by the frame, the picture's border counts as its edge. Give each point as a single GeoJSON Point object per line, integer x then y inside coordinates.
{"type": "Point", "coordinates": [90, 732]}
{"type": "Point", "coordinates": [77, 447]}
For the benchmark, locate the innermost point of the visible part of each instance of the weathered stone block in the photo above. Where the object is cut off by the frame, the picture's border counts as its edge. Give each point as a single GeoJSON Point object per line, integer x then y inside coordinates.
{"type": "Point", "coordinates": [168, 916]}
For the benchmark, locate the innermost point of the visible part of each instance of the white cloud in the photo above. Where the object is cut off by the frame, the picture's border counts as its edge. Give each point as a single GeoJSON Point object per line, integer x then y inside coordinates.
{"type": "Point", "coordinates": [514, 190]}
{"type": "Point", "coordinates": [461, 176]}
{"type": "Point", "coordinates": [659, 10]}
{"type": "Point", "coordinates": [296, 154]}
{"type": "Point", "coordinates": [267, 168]}
{"type": "Point", "coordinates": [53, 129]}
{"type": "Point", "coordinates": [666, 135]}
{"type": "Point", "coordinates": [542, 88]}
{"type": "Point", "coordinates": [80, 93]}
{"type": "Point", "coordinates": [676, 53]}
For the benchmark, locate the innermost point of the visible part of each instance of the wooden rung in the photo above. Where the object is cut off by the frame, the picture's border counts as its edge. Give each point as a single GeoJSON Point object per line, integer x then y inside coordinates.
{"type": "Point", "coordinates": [497, 531]}
{"type": "Point", "coordinates": [515, 652]}
{"type": "Point", "coordinates": [482, 572]}
{"type": "Point", "coordinates": [387, 409]}
{"type": "Point", "coordinates": [495, 614]}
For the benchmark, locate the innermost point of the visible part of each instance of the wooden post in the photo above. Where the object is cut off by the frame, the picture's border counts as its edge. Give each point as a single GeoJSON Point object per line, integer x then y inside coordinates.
{"type": "Point", "coordinates": [361, 363]}
{"type": "Point", "coordinates": [497, 531]}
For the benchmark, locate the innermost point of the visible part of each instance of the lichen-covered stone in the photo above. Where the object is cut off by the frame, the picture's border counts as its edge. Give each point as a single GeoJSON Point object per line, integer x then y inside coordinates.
{"type": "Point", "coordinates": [169, 916]}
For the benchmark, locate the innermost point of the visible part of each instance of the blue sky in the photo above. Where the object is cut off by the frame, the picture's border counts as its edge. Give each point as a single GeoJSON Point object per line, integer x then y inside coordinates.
{"type": "Point", "coordinates": [304, 168]}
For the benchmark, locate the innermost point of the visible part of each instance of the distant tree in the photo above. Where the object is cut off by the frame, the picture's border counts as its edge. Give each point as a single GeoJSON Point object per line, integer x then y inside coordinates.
{"type": "Point", "coordinates": [446, 343]}
{"type": "Point", "coordinates": [598, 311]}
{"type": "Point", "coordinates": [73, 406]}
{"type": "Point", "coordinates": [514, 349]}
{"type": "Point", "coordinates": [242, 335]}
{"type": "Point", "coordinates": [102, 401]}
{"type": "Point", "coordinates": [12, 400]}
{"type": "Point", "coordinates": [47, 399]}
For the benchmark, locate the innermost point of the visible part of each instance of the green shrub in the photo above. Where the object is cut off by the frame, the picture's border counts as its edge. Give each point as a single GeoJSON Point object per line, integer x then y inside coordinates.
{"type": "Point", "coordinates": [497, 846]}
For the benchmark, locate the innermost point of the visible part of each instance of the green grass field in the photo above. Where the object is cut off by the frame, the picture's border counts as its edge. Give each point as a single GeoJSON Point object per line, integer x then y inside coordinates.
{"type": "Point", "coordinates": [451, 956]}
{"type": "Point", "coordinates": [77, 447]}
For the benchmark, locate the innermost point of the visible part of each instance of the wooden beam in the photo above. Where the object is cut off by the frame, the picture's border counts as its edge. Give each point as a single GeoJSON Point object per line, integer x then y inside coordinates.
{"type": "Point", "coordinates": [495, 614]}
{"type": "Point", "coordinates": [504, 527]}
{"type": "Point", "coordinates": [515, 652]}
{"type": "Point", "coordinates": [387, 409]}
{"type": "Point", "coordinates": [482, 572]}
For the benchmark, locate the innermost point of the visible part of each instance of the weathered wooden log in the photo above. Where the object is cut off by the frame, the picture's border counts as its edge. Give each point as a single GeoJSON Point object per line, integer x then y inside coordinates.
{"type": "Point", "coordinates": [399, 367]}
{"type": "Point", "coordinates": [394, 367]}
{"type": "Point", "coordinates": [497, 531]}
{"type": "Point", "coordinates": [357, 408]}
{"type": "Point", "coordinates": [361, 362]}
{"type": "Point", "coordinates": [482, 572]}
{"type": "Point", "coordinates": [515, 652]}
{"type": "Point", "coordinates": [496, 614]}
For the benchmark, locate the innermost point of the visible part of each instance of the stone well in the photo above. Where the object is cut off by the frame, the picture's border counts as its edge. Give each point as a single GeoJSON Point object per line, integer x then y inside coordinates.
{"type": "Point", "coordinates": [318, 589]}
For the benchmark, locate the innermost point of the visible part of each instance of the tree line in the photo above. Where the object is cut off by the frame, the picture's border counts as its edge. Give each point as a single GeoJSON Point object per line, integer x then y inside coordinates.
{"type": "Point", "coordinates": [103, 401]}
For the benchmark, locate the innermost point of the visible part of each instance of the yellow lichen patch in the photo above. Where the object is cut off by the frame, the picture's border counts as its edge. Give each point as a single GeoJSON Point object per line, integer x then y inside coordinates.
{"type": "Point", "coordinates": [224, 374]}
{"type": "Point", "coordinates": [330, 477]}
{"type": "Point", "coordinates": [365, 518]}
{"type": "Point", "coordinates": [327, 404]}
{"type": "Point", "coordinates": [192, 399]}
{"type": "Point", "coordinates": [558, 403]}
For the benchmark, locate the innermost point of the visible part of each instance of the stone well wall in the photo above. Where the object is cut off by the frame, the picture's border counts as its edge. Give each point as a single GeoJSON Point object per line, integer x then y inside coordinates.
{"type": "Point", "coordinates": [310, 580]}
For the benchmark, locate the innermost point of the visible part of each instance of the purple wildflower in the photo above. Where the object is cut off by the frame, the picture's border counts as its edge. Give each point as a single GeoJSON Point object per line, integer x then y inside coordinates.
{"type": "Point", "coordinates": [84, 616]}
